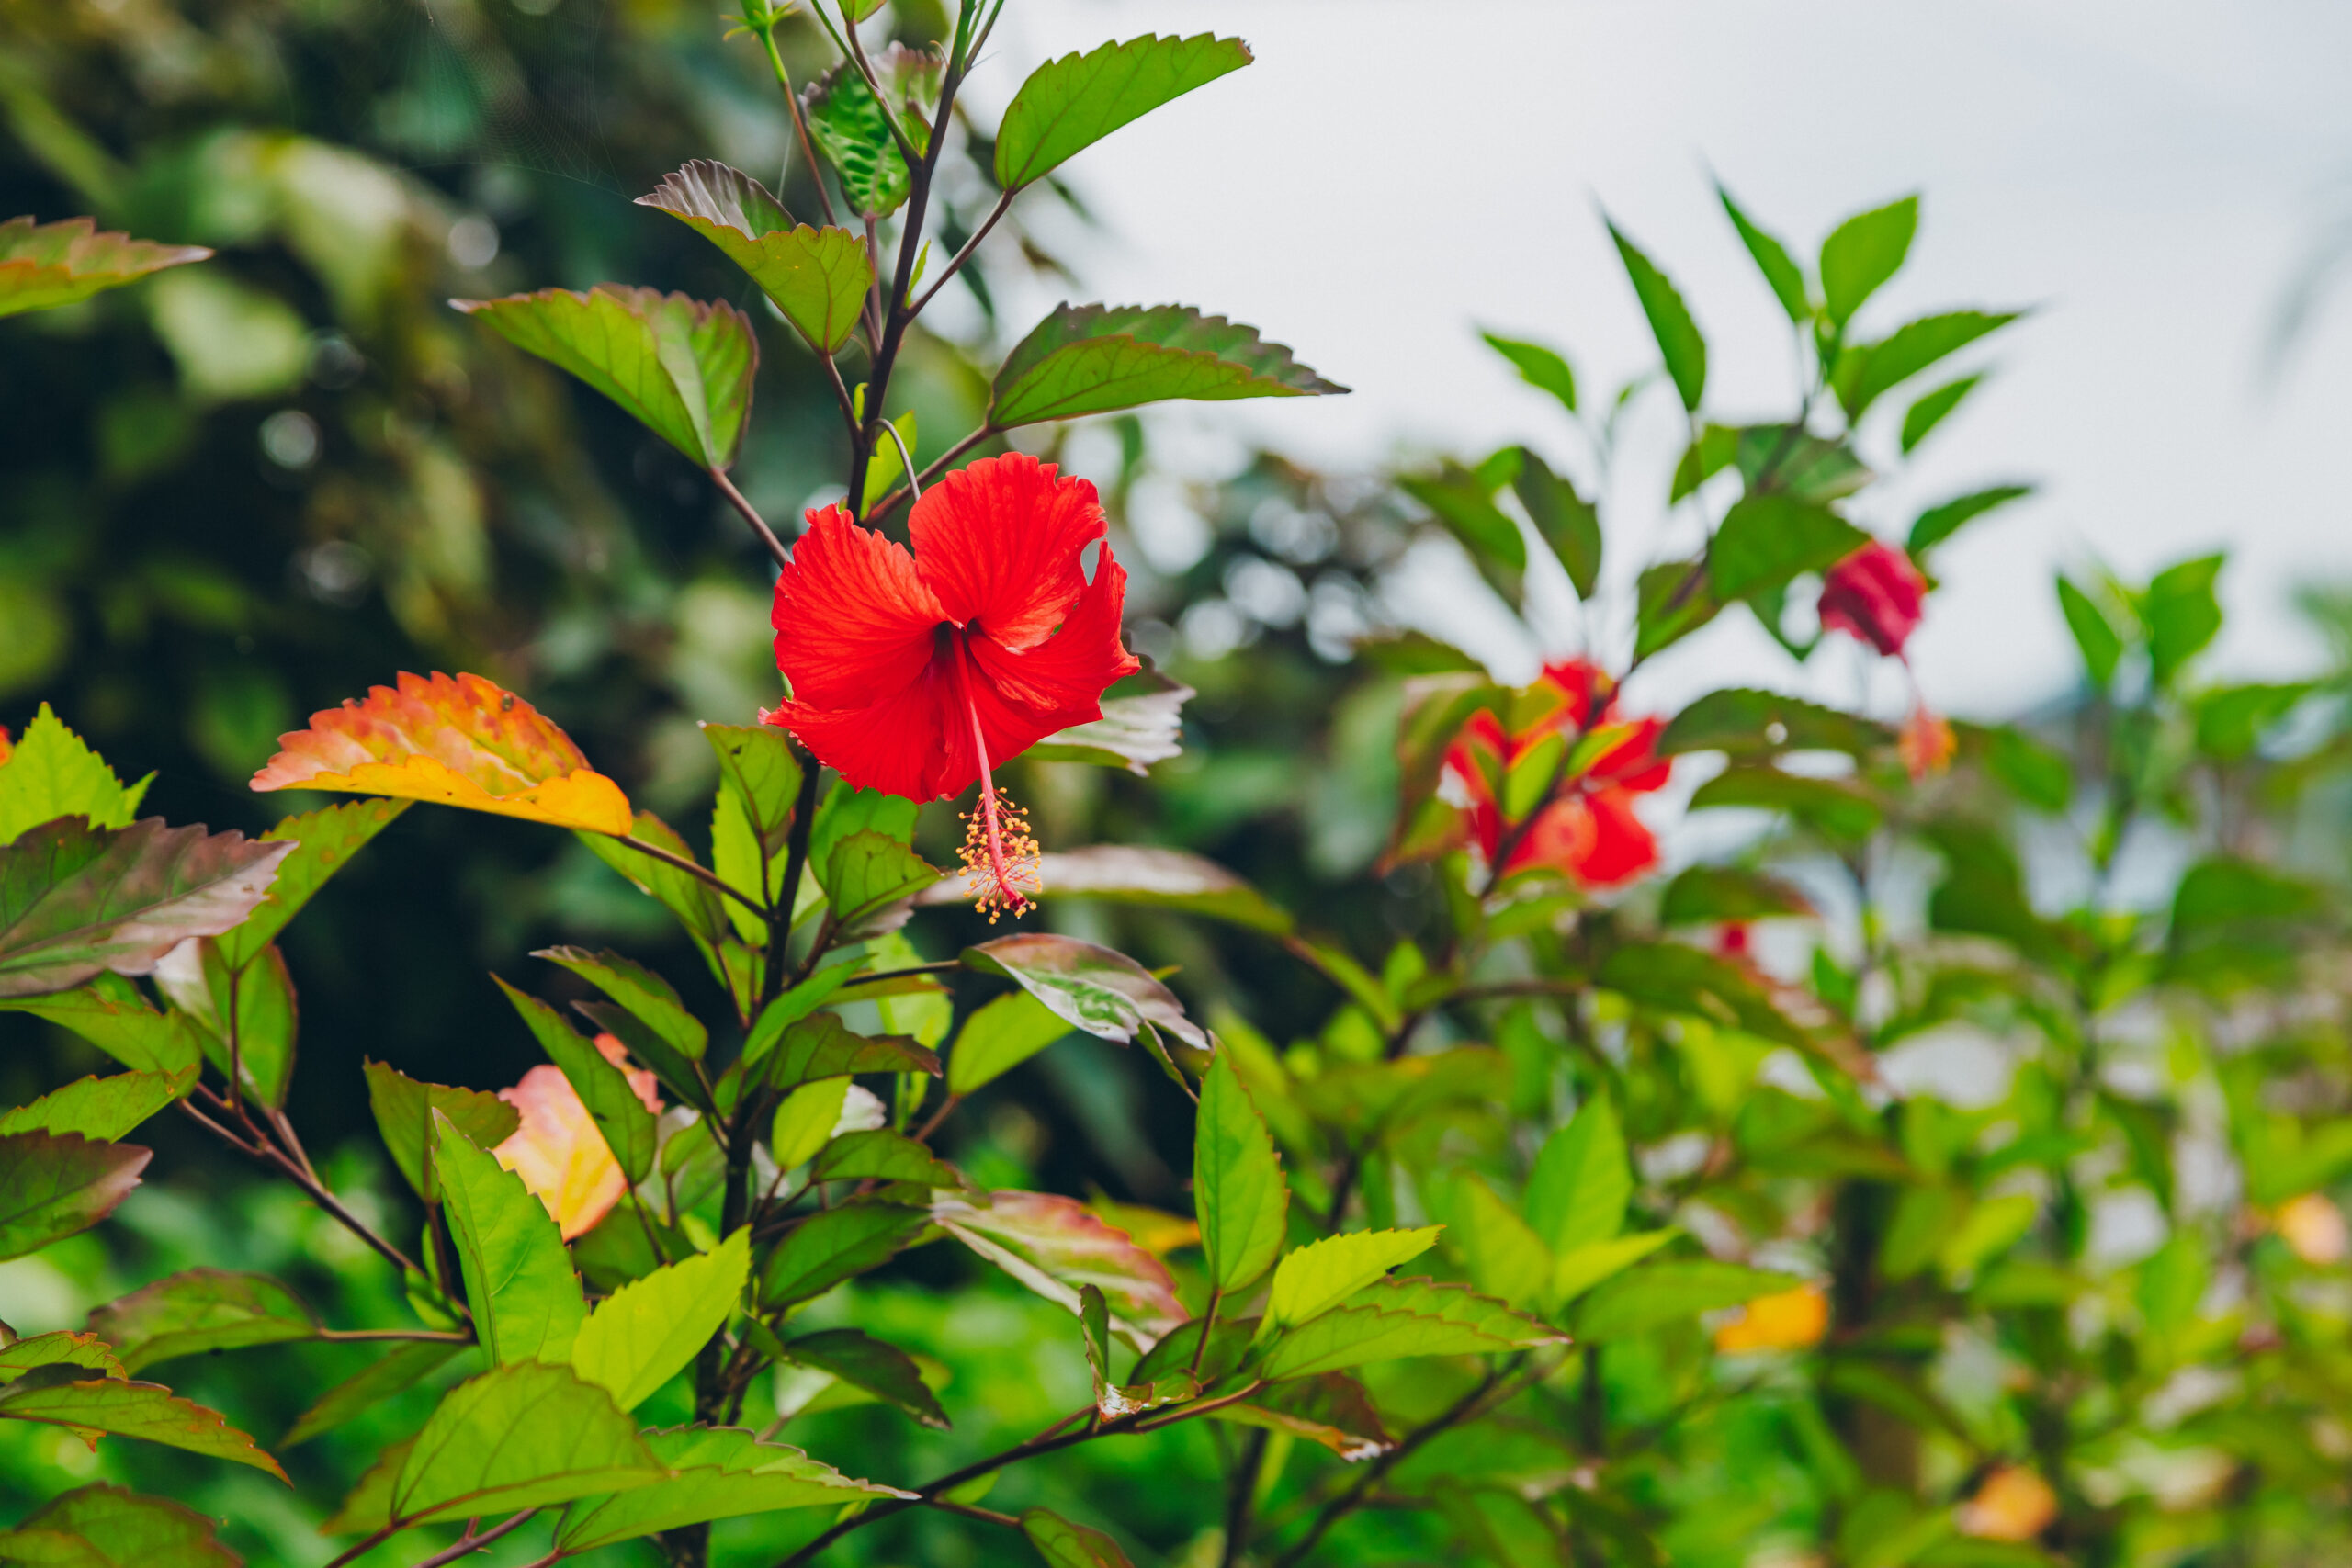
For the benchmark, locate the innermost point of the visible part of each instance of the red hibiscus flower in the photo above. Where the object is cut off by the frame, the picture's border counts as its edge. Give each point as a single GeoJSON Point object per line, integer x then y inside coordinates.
{"type": "Point", "coordinates": [1587, 830]}
{"type": "Point", "coordinates": [916, 674]}
{"type": "Point", "coordinates": [1874, 596]}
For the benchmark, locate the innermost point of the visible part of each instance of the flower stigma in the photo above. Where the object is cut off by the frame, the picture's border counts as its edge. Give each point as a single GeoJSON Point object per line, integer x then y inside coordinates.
{"type": "Point", "coordinates": [1002, 859]}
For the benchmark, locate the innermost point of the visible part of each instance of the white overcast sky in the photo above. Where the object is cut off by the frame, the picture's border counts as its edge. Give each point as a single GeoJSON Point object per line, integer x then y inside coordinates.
{"type": "Point", "coordinates": [2150, 177]}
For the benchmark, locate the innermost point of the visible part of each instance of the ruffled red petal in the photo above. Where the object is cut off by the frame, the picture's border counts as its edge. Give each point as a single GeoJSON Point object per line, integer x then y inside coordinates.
{"type": "Point", "coordinates": [907, 744]}
{"type": "Point", "coordinates": [1621, 846]}
{"type": "Point", "coordinates": [1875, 595]}
{"type": "Point", "coordinates": [854, 622]}
{"type": "Point", "coordinates": [1000, 542]}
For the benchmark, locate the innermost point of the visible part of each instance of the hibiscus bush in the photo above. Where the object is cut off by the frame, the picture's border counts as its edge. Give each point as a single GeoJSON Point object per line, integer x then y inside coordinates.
{"type": "Point", "coordinates": [1939, 1174]}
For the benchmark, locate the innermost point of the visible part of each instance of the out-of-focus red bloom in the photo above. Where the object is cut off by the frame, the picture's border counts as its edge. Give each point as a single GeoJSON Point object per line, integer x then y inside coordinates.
{"type": "Point", "coordinates": [1925, 742]}
{"type": "Point", "coordinates": [1874, 596]}
{"type": "Point", "coordinates": [1588, 830]}
{"type": "Point", "coordinates": [916, 674]}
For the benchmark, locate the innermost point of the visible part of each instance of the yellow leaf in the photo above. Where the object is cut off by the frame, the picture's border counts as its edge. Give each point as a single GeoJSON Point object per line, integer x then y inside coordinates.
{"type": "Point", "coordinates": [462, 741]}
{"type": "Point", "coordinates": [1787, 1320]}
{"type": "Point", "coordinates": [2014, 1504]}
{"type": "Point", "coordinates": [2314, 1227]}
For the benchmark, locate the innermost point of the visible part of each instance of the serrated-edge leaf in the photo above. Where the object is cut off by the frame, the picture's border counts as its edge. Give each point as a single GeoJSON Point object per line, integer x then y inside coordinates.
{"type": "Point", "coordinates": [50, 771]}
{"type": "Point", "coordinates": [714, 1472]}
{"type": "Point", "coordinates": [523, 1435]}
{"type": "Point", "coordinates": [519, 1282]}
{"type": "Point", "coordinates": [201, 1310]}
{"type": "Point", "coordinates": [102, 1109]}
{"type": "Point", "coordinates": [1238, 1187]}
{"type": "Point", "coordinates": [819, 277]}
{"type": "Point", "coordinates": [1068, 105]}
{"type": "Point", "coordinates": [1314, 1279]}
{"type": "Point", "coordinates": [645, 1332]}
{"type": "Point", "coordinates": [1100, 359]}
{"type": "Point", "coordinates": [47, 264]}
{"type": "Point", "coordinates": [146, 1411]}
{"type": "Point", "coordinates": [52, 1186]}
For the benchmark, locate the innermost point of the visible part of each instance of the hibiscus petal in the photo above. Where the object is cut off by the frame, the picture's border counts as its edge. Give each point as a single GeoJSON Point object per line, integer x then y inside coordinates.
{"type": "Point", "coordinates": [1025, 694]}
{"type": "Point", "coordinates": [854, 622]}
{"type": "Point", "coordinates": [914, 742]}
{"type": "Point", "coordinates": [559, 1153]}
{"type": "Point", "coordinates": [1000, 542]}
{"type": "Point", "coordinates": [1621, 846]}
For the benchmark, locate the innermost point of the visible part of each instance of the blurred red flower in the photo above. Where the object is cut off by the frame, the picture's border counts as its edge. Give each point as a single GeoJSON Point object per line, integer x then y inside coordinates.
{"type": "Point", "coordinates": [917, 673]}
{"type": "Point", "coordinates": [1874, 596]}
{"type": "Point", "coordinates": [1587, 830]}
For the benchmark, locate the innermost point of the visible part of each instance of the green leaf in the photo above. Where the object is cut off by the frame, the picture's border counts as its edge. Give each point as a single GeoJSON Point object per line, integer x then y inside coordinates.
{"type": "Point", "coordinates": [879, 1154]}
{"type": "Point", "coordinates": [672, 1069]}
{"type": "Point", "coordinates": [1055, 1246]}
{"type": "Point", "coordinates": [881, 1369]}
{"type": "Point", "coordinates": [1931, 407]}
{"type": "Point", "coordinates": [1664, 1292]}
{"type": "Point", "coordinates": [1863, 373]}
{"type": "Point", "coordinates": [52, 774]}
{"type": "Point", "coordinates": [2094, 635]}
{"type": "Point", "coordinates": [2230, 720]}
{"type": "Point", "coordinates": [1819, 469]}
{"type": "Point", "coordinates": [1727, 893]}
{"type": "Point", "coordinates": [519, 1282]}
{"type": "Point", "coordinates": [1582, 1182]}
{"type": "Point", "coordinates": [325, 841]}
{"type": "Point", "coordinates": [101, 1110]}
{"type": "Point", "coordinates": [64, 1348]}
{"type": "Point", "coordinates": [715, 1472]}
{"type": "Point", "coordinates": [1544, 368]}
{"type": "Point", "coordinates": [199, 1311]}
{"type": "Point", "coordinates": [653, 998]}
{"type": "Point", "coordinates": [402, 1369]}
{"type": "Point", "coordinates": [681, 367]}
{"type": "Point", "coordinates": [823, 1047]}
{"type": "Point", "coordinates": [520, 1435]}
{"type": "Point", "coordinates": [2033, 773]}
{"type": "Point", "coordinates": [1830, 806]}
{"type": "Point", "coordinates": [1065, 1545]}
{"type": "Point", "coordinates": [695, 902]}
{"type": "Point", "coordinates": [1397, 1318]}
{"type": "Point", "coordinates": [76, 900]}
{"type": "Point", "coordinates": [109, 1012]}
{"type": "Point", "coordinates": [1937, 523]}
{"type": "Point", "coordinates": [126, 1530]}
{"type": "Point", "coordinates": [403, 1108]}
{"type": "Point", "coordinates": [143, 1410]}
{"type": "Point", "coordinates": [1671, 601]}
{"type": "Point", "coordinates": [47, 265]}
{"type": "Point", "coordinates": [1578, 1271]}
{"type": "Point", "coordinates": [1682, 980]}
{"type": "Point", "coordinates": [1765, 540]}
{"type": "Point", "coordinates": [1570, 524]}
{"type": "Point", "coordinates": [1670, 324]}
{"type": "Point", "coordinates": [1862, 254]}
{"type": "Point", "coordinates": [1000, 1037]}
{"type": "Point", "coordinates": [647, 1331]}
{"type": "Point", "coordinates": [1711, 451]}
{"type": "Point", "coordinates": [834, 1244]}
{"type": "Point", "coordinates": [1069, 104]}
{"type": "Point", "coordinates": [1772, 259]}
{"type": "Point", "coordinates": [847, 811]}
{"type": "Point", "coordinates": [818, 278]}
{"type": "Point", "coordinates": [2181, 615]}
{"type": "Point", "coordinates": [1107, 994]}
{"type": "Point", "coordinates": [1099, 358]}
{"type": "Point", "coordinates": [868, 870]}
{"type": "Point", "coordinates": [1156, 878]}
{"type": "Point", "coordinates": [626, 1121]}
{"type": "Point", "coordinates": [806, 1120]}
{"type": "Point", "coordinates": [1744, 721]}
{"type": "Point", "coordinates": [851, 127]}
{"type": "Point", "coordinates": [52, 1187]}
{"type": "Point", "coordinates": [1312, 1280]}
{"type": "Point", "coordinates": [368, 1507]}
{"type": "Point", "coordinates": [1464, 504]}
{"type": "Point", "coordinates": [1238, 1188]}
{"type": "Point", "coordinates": [1135, 731]}
{"type": "Point", "coordinates": [1505, 1258]}
{"type": "Point", "coordinates": [256, 1007]}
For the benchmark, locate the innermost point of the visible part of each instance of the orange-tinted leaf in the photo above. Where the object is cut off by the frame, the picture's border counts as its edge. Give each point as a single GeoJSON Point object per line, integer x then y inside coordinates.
{"type": "Point", "coordinates": [47, 264]}
{"type": "Point", "coordinates": [557, 1151]}
{"type": "Point", "coordinates": [1054, 1247]}
{"type": "Point", "coordinates": [461, 741]}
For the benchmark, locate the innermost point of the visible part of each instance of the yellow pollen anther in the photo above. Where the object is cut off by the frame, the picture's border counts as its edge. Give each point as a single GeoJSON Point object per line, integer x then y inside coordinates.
{"type": "Point", "coordinates": [1001, 856]}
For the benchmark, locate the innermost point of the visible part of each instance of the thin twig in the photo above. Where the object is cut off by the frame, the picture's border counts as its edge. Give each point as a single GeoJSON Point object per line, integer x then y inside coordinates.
{"type": "Point", "coordinates": [427, 1336]}
{"type": "Point", "coordinates": [701, 873]}
{"type": "Point", "coordinates": [471, 1543]}
{"type": "Point", "coordinates": [799, 126]}
{"type": "Point", "coordinates": [890, 502]}
{"type": "Point", "coordinates": [969, 1512]}
{"type": "Point", "coordinates": [956, 263]}
{"type": "Point", "coordinates": [1348, 1501]}
{"type": "Point", "coordinates": [776, 552]}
